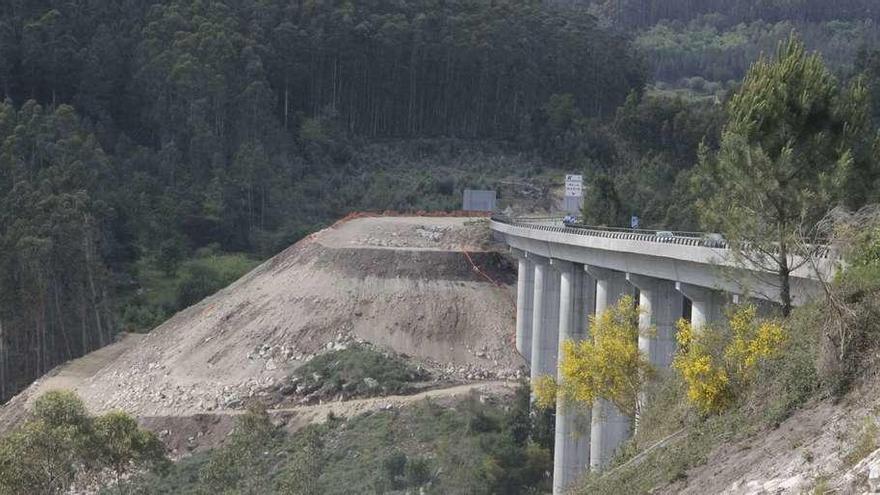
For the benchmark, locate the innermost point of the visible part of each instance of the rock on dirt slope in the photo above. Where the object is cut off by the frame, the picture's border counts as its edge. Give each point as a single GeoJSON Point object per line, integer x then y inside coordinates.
{"type": "Point", "coordinates": [823, 448]}
{"type": "Point", "coordinates": [405, 283]}
{"type": "Point", "coordinates": [828, 446]}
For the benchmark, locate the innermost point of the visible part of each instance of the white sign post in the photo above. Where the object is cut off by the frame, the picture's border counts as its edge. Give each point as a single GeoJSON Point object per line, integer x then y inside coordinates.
{"type": "Point", "coordinates": [574, 193]}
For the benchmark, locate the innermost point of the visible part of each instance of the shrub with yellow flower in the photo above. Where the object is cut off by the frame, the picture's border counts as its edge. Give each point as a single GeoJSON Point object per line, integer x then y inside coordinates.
{"type": "Point", "coordinates": [715, 365]}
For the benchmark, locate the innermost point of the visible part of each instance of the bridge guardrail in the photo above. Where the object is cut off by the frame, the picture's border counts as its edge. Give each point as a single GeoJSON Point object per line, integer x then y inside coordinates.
{"type": "Point", "coordinates": [696, 239]}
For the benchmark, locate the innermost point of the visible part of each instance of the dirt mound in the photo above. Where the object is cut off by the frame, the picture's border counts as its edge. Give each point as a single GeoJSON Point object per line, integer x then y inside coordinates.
{"type": "Point", "coordinates": [429, 288]}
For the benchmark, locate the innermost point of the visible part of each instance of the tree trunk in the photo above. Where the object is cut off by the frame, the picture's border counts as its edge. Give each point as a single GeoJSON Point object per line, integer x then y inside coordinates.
{"type": "Point", "coordinates": [83, 318]}
{"type": "Point", "coordinates": [60, 320]}
{"type": "Point", "coordinates": [3, 377]}
{"type": "Point", "coordinates": [87, 247]}
{"type": "Point", "coordinates": [286, 101]}
{"type": "Point", "coordinates": [784, 280]}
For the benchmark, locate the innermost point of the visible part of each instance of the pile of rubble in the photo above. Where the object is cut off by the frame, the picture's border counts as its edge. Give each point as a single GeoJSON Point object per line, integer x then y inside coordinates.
{"type": "Point", "coordinates": [150, 381]}
{"type": "Point", "coordinates": [431, 232]}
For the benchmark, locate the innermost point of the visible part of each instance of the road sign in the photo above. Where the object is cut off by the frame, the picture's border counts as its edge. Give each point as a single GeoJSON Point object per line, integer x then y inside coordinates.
{"type": "Point", "coordinates": [479, 200]}
{"type": "Point", "coordinates": [634, 222]}
{"type": "Point", "coordinates": [574, 186]}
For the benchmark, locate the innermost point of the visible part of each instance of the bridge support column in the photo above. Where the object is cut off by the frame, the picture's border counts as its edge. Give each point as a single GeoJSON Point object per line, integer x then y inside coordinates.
{"type": "Point", "coordinates": [706, 304]}
{"type": "Point", "coordinates": [545, 320]}
{"type": "Point", "coordinates": [609, 427]}
{"type": "Point", "coordinates": [525, 294]}
{"type": "Point", "coordinates": [571, 456]}
{"type": "Point", "coordinates": [660, 307]}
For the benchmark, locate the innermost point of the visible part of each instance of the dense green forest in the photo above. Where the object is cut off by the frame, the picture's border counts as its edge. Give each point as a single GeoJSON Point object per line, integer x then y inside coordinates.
{"type": "Point", "coordinates": [643, 13]}
{"type": "Point", "coordinates": [151, 151]}
{"type": "Point", "coordinates": [708, 45]}
{"type": "Point", "coordinates": [143, 141]}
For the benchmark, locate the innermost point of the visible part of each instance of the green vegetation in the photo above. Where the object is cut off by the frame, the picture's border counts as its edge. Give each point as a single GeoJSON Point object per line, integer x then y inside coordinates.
{"type": "Point", "coordinates": [669, 462]}
{"type": "Point", "coordinates": [867, 440]}
{"type": "Point", "coordinates": [828, 347]}
{"type": "Point", "coordinates": [708, 46]}
{"type": "Point", "coordinates": [133, 135]}
{"type": "Point", "coordinates": [136, 135]}
{"type": "Point", "coordinates": [468, 447]}
{"type": "Point", "coordinates": [717, 364]}
{"type": "Point", "coordinates": [676, 434]}
{"type": "Point", "coordinates": [642, 13]}
{"type": "Point", "coordinates": [708, 57]}
{"type": "Point", "coordinates": [62, 445]}
{"type": "Point", "coordinates": [649, 146]}
{"type": "Point", "coordinates": [359, 371]}
{"type": "Point", "coordinates": [607, 365]}
{"type": "Point", "coordinates": [853, 301]}
{"type": "Point", "coordinates": [794, 145]}
{"type": "Point", "coordinates": [168, 286]}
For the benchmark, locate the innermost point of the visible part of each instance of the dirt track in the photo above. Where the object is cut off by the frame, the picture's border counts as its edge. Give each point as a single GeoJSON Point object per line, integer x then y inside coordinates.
{"type": "Point", "coordinates": [185, 434]}
{"type": "Point", "coordinates": [318, 413]}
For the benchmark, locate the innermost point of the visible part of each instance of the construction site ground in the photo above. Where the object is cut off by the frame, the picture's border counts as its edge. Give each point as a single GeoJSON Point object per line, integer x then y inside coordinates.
{"type": "Point", "coordinates": [432, 289]}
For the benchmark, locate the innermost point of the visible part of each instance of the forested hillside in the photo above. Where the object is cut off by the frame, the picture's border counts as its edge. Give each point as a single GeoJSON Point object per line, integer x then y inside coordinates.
{"type": "Point", "coordinates": [708, 45]}
{"type": "Point", "coordinates": [145, 141]}
{"type": "Point", "coordinates": [643, 13]}
{"type": "Point", "coordinates": [152, 151]}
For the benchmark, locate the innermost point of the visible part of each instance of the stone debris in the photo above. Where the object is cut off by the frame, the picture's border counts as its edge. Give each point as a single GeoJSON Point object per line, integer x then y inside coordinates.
{"type": "Point", "coordinates": [432, 233]}
{"type": "Point", "coordinates": [423, 235]}
{"type": "Point", "coordinates": [277, 361]}
{"type": "Point", "coordinates": [874, 478]}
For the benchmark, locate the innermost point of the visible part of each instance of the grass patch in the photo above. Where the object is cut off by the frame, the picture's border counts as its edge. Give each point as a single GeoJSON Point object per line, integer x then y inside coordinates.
{"type": "Point", "coordinates": [689, 438]}
{"type": "Point", "coordinates": [163, 292]}
{"type": "Point", "coordinates": [358, 371]}
{"type": "Point", "coordinates": [784, 384]}
{"type": "Point", "coordinates": [867, 440]}
{"type": "Point", "coordinates": [669, 463]}
{"type": "Point", "coordinates": [820, 487]}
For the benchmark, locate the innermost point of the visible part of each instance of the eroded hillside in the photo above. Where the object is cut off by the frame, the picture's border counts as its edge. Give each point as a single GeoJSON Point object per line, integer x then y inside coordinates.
{"type": "Point", "coordinates": [430, 289]}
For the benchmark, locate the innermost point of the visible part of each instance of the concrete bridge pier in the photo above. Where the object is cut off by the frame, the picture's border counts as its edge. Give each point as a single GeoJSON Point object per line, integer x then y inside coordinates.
{"type": "Point", "coordinates": [609, 427]}
{"type": "Point", "coordinates": [707, 305]}
{"type": "Point", "coordinates": [660, 307]}
{"type": "Point", "coordinates": [571, 455]}
{"type": "Point", "coordinates": [545, 320]}
{"type": "Point", "coordinates": [525, 293]}
{"type": "Point", "coordinates": [665, 270]}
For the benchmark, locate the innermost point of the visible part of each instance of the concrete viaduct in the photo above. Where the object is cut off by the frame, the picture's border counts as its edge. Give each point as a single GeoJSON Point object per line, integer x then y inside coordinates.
{"type": "Point", "coordinates": [569, 273]}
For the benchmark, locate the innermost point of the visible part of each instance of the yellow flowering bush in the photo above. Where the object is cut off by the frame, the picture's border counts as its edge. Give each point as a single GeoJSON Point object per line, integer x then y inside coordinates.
{"type": "Point", "coordinates": [714, 365]}
{"type": "Point", "coordinates": [608, 364]}
{"type": "Point", "coordinates": [706, 379]}
{"type": "Point", "coordinates": [752, 340]}
{"type": "Point", "coordinates": [545, 392]}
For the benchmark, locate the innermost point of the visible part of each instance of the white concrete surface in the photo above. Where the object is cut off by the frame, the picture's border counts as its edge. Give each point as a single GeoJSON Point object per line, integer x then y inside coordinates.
{"type": "Point", "coordinates": [525, 293]}
{"type": "Point", "coordinates": [572, 443]}
{"type": "Point", "coordinates": [609, 427]}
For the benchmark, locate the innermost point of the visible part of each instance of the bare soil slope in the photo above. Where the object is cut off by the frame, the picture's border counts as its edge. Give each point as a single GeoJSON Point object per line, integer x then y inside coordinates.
{"type": "Point", "coordinates": [407, 283]}
{"type": "Point", "coordinates": [826, 447]}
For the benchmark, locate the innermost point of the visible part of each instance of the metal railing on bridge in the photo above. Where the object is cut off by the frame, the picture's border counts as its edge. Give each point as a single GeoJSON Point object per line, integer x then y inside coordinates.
{"type": "Point", "coordinates": [554, 224]}
{"type": "Point", "coordinates": [697, 239]}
